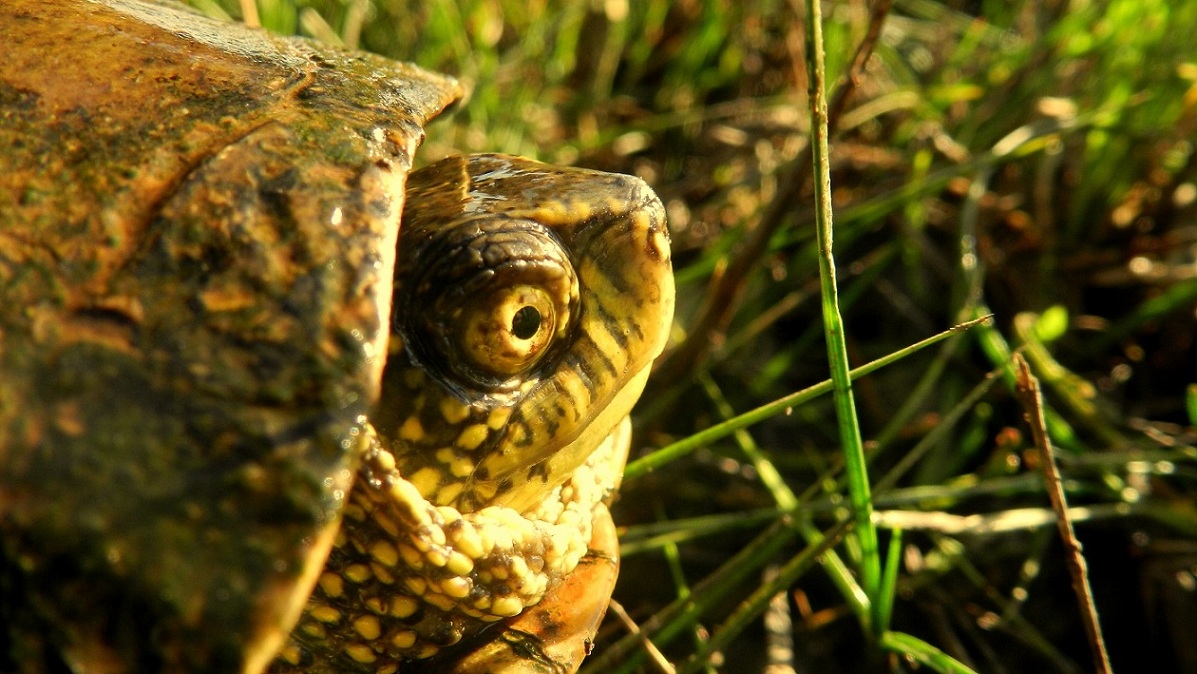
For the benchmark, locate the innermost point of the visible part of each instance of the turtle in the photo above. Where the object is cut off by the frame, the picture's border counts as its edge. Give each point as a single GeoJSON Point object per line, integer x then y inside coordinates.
{"type": "Point", "coordinates": [271, 398]}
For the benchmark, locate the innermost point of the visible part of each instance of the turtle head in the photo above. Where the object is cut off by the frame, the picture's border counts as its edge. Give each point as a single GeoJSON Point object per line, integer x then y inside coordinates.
{"type": "Point", "coordinates": [529, 303]}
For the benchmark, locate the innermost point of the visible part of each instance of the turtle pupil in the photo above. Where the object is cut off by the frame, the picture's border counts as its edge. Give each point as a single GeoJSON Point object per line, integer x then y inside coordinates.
{"type": "Point", "coordinates": [525, 323]}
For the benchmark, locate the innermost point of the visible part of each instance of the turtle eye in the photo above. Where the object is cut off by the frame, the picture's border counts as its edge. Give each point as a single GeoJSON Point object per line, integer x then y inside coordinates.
{"type": "Point", "coordinates": [492, 298]}
{"type": "Point", "coordinates": [505, 332]}
{"type": "Point", "coordinates": [526, 322]}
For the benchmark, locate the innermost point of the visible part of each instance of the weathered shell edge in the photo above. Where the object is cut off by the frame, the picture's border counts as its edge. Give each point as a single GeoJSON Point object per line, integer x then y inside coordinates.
{"type": "Point", "coordinates": [196, 247]}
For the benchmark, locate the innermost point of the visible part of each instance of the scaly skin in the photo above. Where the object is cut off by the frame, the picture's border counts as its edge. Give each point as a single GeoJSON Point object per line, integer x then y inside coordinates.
{"type": "Point", "coordinates": [481, 492]}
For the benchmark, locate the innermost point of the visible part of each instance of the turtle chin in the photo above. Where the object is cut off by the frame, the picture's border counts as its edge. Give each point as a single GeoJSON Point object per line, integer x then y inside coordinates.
{"type": "Point", "coordinates": [603, 444]}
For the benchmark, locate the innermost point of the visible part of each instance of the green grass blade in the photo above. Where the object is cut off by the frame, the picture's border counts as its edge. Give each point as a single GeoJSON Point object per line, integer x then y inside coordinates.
{"type": "Point", "coordinates": [756, 603]}
{"type": "Point", "coordinates": [889, 580]}
{"type": "Point", "coordinates": [677, 450]}
{"type": "Point", "coordinates": [855, 464]}
{"type": "Point", "coordinates": [671, 621]}
{"type": "Point", "coordinates": [923, 653]}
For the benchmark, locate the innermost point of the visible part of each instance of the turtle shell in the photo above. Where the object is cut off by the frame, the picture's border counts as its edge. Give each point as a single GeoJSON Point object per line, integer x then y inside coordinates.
{"type": "Point", "coordinates": [197, 233]}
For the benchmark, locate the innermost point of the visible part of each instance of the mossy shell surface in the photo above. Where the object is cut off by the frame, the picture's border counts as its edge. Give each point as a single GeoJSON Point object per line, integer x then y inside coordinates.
{"type": "Point", "coordinates": [197, 239]}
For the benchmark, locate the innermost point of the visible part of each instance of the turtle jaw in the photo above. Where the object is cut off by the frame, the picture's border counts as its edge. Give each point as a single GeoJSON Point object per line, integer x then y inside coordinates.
{"type": "Point", "coordinates": [612, 426]}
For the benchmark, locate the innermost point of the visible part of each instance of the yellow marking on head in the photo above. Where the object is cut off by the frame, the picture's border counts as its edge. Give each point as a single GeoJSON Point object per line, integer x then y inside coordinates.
{"type": "Point", "coordinates": [537, 585]}
{"type": "Point", "coordinates": [385, 553]}
{"type": "Point", "coordinates": [315, 630]}
{"type": "Point", "coordinates": [498, 417]}
{"type": "Point", "coordinates": [469, 542]}
{"type": "Point", "coordinates": [449, 514]}
{"type": "Point", "coordinates": [325, 614]}
{"type": "Point", "coordinates": [429, 650]}
{"type": "Point", "coordinates": [404, 493]}
{"type": "Point", "coordinates": [404, 639]}
{"type": "Point", "coordinates": [386, 524]}
{"type": "Point", "coordinates": [403, 606]}
{"type": "Point", "coordinates": [361, 653]}
{"type": "Point", "coordinates": [411, 557]}
{"type": "Point", "coordinates": [385, 461]}
{"type": "Point", "coordinates": [598, 282]}
{"type": "Point", "coordinates": [426, 480]}
{"type": "Point", "coordinates": [519, 434]}
{"type": "Point", "coordinates": [519, 567]}
{"type": "Point", "coordinates": [507, 606]}
{"type": "Point", "coordinates": [472, 436]}
{"type": "Point", "coordinates": [453, 410]}
{"type": "Point", "coordinates": [461, 467]}
{"type": "Point", "coordinates": [459, 564]}
{"type": "Point", "coordinates": [485, 491]}
{"type": "Point", "coordinates": [578, 390]}
{"type": "Point", "coordinates": [411, 430]}
{"type": "Point", "coordinates": [375, 605]}
{"type": "Point", "coordinates": [358, 573]}
{"type": "Point", "coordinates": [332, 584]}
{"type": "Point", "coordinates": [579, 210]}
{"type": "Point", "coordinates": [417, 585]}
{"type": "Point", "coordinates": [382, 574]}
{"type": "Point", "coordinates": [551, 213]}
{"type": "Point", "coordinates": [290, 653]}
{"type": "Point", "coordinates": [659, 241]}
{"type": "Point", "coordinates": [437, 557]}
{"type": "Point", "coordinates": [605, 342]}
{"type": "Point", "coordinates": [554, 558]}
{"type": "Point", "coordinates": [354, 512]}
{"type": "Point", "coordinates": [440, 601]}
{"type": "Point", "coordinates": [451, 491]}
{"type": "Point", "coordinates": [367, 626]}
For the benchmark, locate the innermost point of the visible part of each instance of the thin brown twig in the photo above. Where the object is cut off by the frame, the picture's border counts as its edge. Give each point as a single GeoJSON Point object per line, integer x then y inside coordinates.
{"type": "Point", "coordinates": [723, 296]}
{"type": "Point", "coordinates": [658, 658]}
{"type": "Point", "coordinates": [1032, 402]}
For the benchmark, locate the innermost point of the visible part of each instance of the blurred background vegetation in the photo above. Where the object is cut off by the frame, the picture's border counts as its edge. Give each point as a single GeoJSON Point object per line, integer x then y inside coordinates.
{"type": "Point", "coordinates": [1033, 159]}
